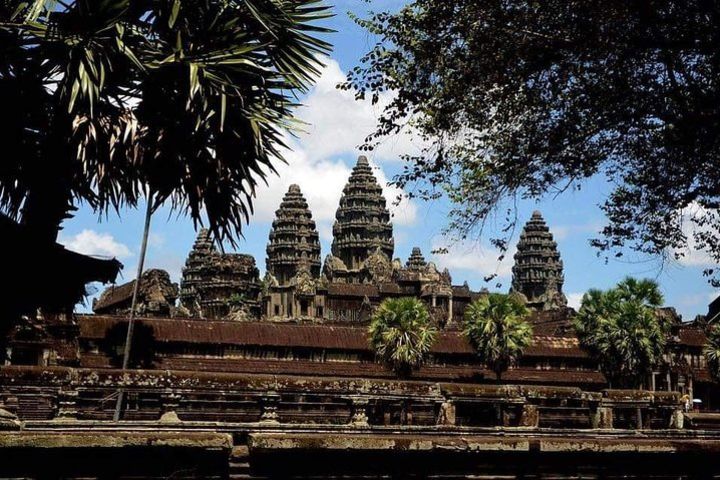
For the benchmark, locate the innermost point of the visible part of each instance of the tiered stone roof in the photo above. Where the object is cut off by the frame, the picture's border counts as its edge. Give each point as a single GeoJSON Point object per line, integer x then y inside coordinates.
{"type": "Point", "coordinates": [362, 220]}
{"type": "Point", "coordinates": [294, 242]}
{"type": "Point", "coordinates": [416, 261]}
{"type": "Point", "coordinates": [538, 270]}
{"type": "Point", "coordinates": [213, 283]}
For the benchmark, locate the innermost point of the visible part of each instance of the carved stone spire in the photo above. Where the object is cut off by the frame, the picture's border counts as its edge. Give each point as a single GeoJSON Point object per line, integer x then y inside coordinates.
{"type": "Point", "coordinates": [214, 283]}
{"type": "Point", "coordinates": [538, 270]}
{"type": "Point", "coordinates": [362, 222]}
{"type": "Point", "coordinates": [294, 240]}
{"type": "Point", "coordinates": [416, 260]}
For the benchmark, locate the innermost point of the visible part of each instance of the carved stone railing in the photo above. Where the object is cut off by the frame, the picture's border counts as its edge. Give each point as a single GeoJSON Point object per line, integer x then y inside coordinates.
{"type": "Point", "coordinates": [173, 396]}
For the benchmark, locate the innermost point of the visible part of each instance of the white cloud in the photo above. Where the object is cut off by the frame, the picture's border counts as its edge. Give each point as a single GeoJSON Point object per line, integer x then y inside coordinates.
{"type": "Point", "coordinates": [575, 299]}
{"type": "Point", "coordinates": [691, 254]}
{"type": "Point", "coordinates": [338, 123]}
{"type": "Point", "coordinates": [472, 257]}
{"type": "Point", "coordinates": [90, 242]}
{"type": "Point", "coordinates": [320, 161]}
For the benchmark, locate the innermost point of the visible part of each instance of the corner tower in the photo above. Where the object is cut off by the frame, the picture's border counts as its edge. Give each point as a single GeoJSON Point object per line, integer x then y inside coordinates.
{"type": "Point", "coordinates": [362, 222]}
{"type": "Point", "coordinates": [294, 240]}
{"type": "Point", "coordinates": [538, 270]}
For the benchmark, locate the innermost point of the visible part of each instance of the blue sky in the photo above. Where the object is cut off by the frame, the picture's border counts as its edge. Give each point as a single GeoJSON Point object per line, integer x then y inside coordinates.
{"type": "Point", "coordinates": [320, 162]}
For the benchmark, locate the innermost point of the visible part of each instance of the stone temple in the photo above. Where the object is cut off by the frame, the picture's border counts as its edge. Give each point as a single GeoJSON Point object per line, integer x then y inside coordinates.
{"type": "Point", "coordinates": [237, 377]}
{"type": "Point", "coordinates": [538, 270]}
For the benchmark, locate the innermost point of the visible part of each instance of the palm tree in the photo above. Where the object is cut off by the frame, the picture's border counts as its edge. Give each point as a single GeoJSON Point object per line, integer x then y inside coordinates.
{"type": "Point", "coordinates": [621, 329]}
{"type": "Point", "coordinates": [182, 102]}
{"type": "Point", "coordinates": [712, 351]}
{"type": "Point", "coordinates": [187, 101]}
{"type": "Point", "coordinates": [401, 333]}
{"type": "Point", "coordinates": [496, 327]}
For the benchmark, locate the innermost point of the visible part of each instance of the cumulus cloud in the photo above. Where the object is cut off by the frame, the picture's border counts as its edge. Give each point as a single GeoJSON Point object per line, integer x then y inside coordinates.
{"type": "Point", "coordinates": [469, 256]}
{"type": "Point", "coordinates": [321, 159]}
{"type": "Point", "coordinates": [90, 242]}
{"type": "Point", "coordinates": [691, 254]}
{"type": "Point", "coordinates": [338, 123]}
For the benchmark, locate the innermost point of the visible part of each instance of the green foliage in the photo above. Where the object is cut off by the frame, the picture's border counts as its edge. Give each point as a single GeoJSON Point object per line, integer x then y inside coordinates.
{"type": "Point", "coordinates": [401, 333]}
{"type": "Point", "coordinates": [496, 327]}
{"type": "Point", "coordinates": [621, 329]}
{"type": "Point", "coordinates": [712, 351]}
{"type": "Point", "coordinates": [104, 101]}
{"type": "Point", "coordinates": [520, 99]}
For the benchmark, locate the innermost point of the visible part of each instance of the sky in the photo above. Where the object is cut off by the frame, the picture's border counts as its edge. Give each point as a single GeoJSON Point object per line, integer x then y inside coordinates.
{"type": "Point", "coordinates": [320, 161]}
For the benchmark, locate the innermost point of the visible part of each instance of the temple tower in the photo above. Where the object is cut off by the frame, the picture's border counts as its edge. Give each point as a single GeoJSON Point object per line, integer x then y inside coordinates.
{"type": "Point", "coordinates": [213, 284]}
{"type": "Point", "coordinates": [416, 261]}
{"type": "Point", "coordinates": [294, 242]}
{"type": "Point", "coordinates": [362, 222]}
{"type": "Point", "coordinates": [538, 270]}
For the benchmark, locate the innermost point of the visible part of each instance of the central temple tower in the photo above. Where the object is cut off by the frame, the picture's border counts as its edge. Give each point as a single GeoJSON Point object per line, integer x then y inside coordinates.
{"type": "Point", "coordinates": [538, 270]}
{"type": "Point", "coordinates": [362, 222]}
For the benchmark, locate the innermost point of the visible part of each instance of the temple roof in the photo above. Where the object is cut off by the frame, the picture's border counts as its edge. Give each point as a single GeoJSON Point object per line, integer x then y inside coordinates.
{"type": "Point", "coordinates": [538, 270]}
{"type": "Point", "coordinates": [362, 220]}
{"type": "Point", "coordinates": [416, 259]}
{"type": "Point", "coordinates": [294, 243]}
{"type": "Point", "coordinates": [267, 334]}
{"type": "Point", "coordinates": [45, 275]}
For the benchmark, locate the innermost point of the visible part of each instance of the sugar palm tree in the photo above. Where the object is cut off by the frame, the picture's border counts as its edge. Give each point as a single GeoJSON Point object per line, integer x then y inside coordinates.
{"type": "Point", "coordinates": [621, 329]}
{"type": "Point", "coordinates": [402, 333]}
{"type": "Point", "coordinates": [712, 351]}
{"type": "Point", "coordinates": [497, 329]}
{"type": "Point", "coordinates": [105, 101]}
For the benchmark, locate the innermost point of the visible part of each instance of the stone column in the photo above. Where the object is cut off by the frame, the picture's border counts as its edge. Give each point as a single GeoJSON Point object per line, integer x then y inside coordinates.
{"type": "Point", "coordinates": [446, 415]}
{"type": "Point", "coordinates": [67, 405]}
{"type": "Point", "coordinates": [603, 418]}
{"type": "Point", "coordinates": [530, 416]}
{"type": "Point", "coordinates": [269, 405]}
{"type": "Point", "coordinates": [359, 416]}
{"type": "Point", "coordinates": [169, 403]}
{"type": "Point", "coordinates": [677, 419]}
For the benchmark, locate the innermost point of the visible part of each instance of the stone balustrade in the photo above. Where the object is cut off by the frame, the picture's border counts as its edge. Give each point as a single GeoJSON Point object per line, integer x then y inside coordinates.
{"type": "Point", "coordinates": [34, 393]}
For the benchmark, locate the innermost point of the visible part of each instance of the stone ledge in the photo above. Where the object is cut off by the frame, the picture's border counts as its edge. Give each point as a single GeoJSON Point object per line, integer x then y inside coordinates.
{"type": "Point", "coordinates": [265, 442]}
{"type": "Point", "coordinates": [192, 440]}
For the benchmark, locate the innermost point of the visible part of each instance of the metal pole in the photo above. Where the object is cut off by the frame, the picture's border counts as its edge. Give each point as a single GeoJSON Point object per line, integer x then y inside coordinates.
{"type": "Point", "coordinates": [133, 304]}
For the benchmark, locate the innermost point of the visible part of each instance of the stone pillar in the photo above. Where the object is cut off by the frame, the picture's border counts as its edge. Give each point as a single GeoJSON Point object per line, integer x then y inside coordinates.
{"type": "Point", "coordinates": [67, 405]}
{"type": "Point", "coordinates": [359, 416]}
{"type": "Point", "coordinates": [446, 415]}
{"type": "Point", "coordinates": [603, 418]}
{"type": "Point", "coordinates": [450, 310]}
{"type": "Point", "coordinates": [530, 416]}
{"type": "Point", "coordinates": [269, 406]}
{"type": "Point", "coordinates": [677, 419]}
{"type": "Point", "coordinates": [169, 403]}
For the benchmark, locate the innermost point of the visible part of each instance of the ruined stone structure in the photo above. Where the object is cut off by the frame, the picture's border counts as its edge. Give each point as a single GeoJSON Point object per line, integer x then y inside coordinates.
{"type": "Point", "coordinates": [214, 285]}
{"type": "Point", "coordinates": [156, 296]}
{"type": "Point", "coordinates": [294, 391]}
{"type": "Point", "coordinates": [538, 270]}
{"type": "Point", "coordinates": [362, 227]}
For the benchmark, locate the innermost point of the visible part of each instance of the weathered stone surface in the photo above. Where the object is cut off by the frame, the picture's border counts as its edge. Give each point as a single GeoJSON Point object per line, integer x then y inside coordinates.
{"type": "Point", "coordinates": [294, 244]}
{"type": "Point", "coordinates": [538, 270]}
{"type": "Point", "coordinates": [156, 296]}
{"type": "Point", "coordinates": [214, 285]}
{"type": "Point", "coordinates": [362, 223]}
